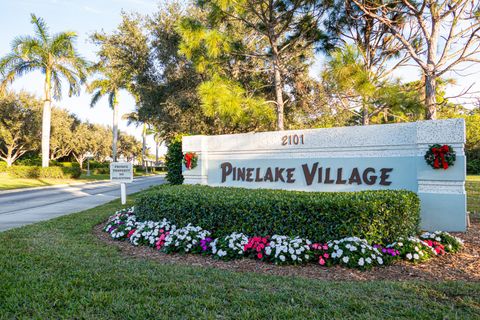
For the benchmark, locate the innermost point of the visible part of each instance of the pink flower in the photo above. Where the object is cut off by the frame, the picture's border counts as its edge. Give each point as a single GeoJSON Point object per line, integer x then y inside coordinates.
{"type": "Point", "coordinates": [259, 256]}
{"type": "Point", "coordinates": [321, 261]}
{"type": "Point", "coordinates": [326, 255]}
{"type": "Point", "coordinates": [130, 233]}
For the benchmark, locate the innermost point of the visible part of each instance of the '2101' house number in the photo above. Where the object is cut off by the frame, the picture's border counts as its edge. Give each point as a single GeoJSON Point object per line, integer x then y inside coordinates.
{"type": "Point", "coordinates": [293, 139]}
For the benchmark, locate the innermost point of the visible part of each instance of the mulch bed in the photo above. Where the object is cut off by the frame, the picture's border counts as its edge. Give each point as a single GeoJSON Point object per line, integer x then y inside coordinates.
{"type": "Point", "coordinates": [464, 265]}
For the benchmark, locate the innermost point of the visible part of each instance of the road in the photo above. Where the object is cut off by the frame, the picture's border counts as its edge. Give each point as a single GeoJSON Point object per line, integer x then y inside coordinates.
{"type": "Point", "coordinates": [22, 207]}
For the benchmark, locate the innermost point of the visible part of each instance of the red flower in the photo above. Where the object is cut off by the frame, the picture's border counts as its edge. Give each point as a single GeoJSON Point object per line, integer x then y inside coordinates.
{"type": "Point", "coordinates": [130, 233]}
{"type": "Point", "coordinates": [259, 256]}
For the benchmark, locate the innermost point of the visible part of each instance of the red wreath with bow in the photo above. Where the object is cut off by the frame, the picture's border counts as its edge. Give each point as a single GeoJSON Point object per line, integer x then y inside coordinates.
{"type": "Point", "coordinates": [190, 160]}
{"type": "Point", "coordinates": [440, 156]}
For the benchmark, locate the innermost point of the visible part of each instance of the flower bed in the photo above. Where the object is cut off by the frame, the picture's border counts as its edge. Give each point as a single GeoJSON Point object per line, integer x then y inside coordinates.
{"type": "Point", "coordinates": [350, 252]}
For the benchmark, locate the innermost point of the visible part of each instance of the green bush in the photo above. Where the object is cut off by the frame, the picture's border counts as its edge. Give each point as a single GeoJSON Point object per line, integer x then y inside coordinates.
{"type": "Point", "coordinates": [101, 171]}
{"type": "Point", "coordinates": [173, 161]}
{"type": "Point", "coordinates": [68, 164]}
{"type": "Point", "coordinates": [378, 216]}
{"type": "Point", "coordinates": [473, 166]}
{"type": "Point", "coordinates": [3, 166]}
{"type": "Point", "coordinates": [96, 164]}
{"type": "Point", "coordinates": [39, 172]}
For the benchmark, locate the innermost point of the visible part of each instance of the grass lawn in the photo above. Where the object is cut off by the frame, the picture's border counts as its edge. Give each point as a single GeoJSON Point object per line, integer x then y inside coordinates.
{"type": "Point", "coordinates": [7, 182]}
{"type": "Point", "coordinates": [59, 269]}
{"type": "Point", "coordinates": [473, 193]}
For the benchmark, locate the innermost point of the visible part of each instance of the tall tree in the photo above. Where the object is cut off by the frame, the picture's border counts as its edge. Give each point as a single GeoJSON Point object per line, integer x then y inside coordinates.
{"type": "Point", "coordinates": [19, 125]}
{"type": "Point", "coordinates": [123, 56]}
{"type": "Point", "coordinates": [110, 85]}
{"type": "Point", "coordinates": [449, 31]}
{"type": "Point", "coordinates": [91, 138]}
{"type": "Point", "coordinates": [353, 85]}
{"type": "Point", "coordinates": [62, 137]}
{"type": "Point", "coordinates": [129, 146]}
{"type": "Point", "coordinates": [134, 118]}
{"type": "Point", "coordinates": [158, 137]}
{"type": "Point", "coordinates": [56, 57]}
{"type": "Point", "coordinates": [281, 34]}
{"type": "Point", "coordinates": [167, 87]}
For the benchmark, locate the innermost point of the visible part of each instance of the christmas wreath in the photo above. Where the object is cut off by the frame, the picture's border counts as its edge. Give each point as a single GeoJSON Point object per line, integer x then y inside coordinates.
{"type": "Point", "coordinates": [190, 160]}
{"type": "Point", "coordinates": [439, 156]}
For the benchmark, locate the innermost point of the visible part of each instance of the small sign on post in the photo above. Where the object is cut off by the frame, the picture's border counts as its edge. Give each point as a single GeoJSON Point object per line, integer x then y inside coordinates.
{"type": "Point", "coordinates": [122, 172]}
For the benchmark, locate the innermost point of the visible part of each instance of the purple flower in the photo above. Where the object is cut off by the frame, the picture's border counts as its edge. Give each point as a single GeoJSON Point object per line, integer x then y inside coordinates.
{"type": "Point", "coordinates": [205, 243]}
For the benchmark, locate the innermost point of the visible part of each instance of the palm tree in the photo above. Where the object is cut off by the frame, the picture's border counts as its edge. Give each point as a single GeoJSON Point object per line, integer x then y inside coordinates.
{"type": "Point", "coordinates": [158, 137]}
{"type": "Point", "coordinates": [108, 85]}
{"type": "Point", "coordinates": [56, 57]}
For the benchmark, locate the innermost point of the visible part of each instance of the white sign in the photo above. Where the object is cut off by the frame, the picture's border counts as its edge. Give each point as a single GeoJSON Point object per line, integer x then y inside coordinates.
{"type": "Point", "coordinates": [121, 172]}
{"type": "Point", "coordinates": [375, 157]}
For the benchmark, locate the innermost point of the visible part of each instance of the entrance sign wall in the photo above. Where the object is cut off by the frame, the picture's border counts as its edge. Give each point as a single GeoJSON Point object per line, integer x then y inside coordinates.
{"type": "Point", "coordinates": [375, 157]}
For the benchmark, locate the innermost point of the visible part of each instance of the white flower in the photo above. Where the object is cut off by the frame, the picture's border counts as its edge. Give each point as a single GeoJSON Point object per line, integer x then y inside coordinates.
{"type": "Point", "coordinates": [409, 256]}
{"type": "Point", "coordinates": [368, 260]}
{"type": "Point", "coordinates": [294, 257]}
{"type": "Point", "coordinates": [380, 260]}
{"type": "Point", "coordinates": [361, 262]}
{"type": "Point", "coordinates": [416, 256]}
{"type": "Point", "coordinates": [282, 258]}
{"type": "Point", "coordinates": [345, 259]}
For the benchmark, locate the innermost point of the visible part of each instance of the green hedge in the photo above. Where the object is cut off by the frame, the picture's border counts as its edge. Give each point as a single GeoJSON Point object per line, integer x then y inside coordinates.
{"type": "Point", "coordinates": [379, 216]}
{"type": "Point", "coordinates": [173, 161]}
{"type": "Point", "coordinates": [39, 172]}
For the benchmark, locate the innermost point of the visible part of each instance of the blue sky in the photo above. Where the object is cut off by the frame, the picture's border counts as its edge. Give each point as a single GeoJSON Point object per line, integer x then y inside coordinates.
{"type": "Point", "coordinates": [88, 16]}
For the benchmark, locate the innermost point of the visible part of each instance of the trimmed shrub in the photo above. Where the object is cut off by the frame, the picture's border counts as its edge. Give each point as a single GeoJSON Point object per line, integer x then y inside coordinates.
{"type": "Point", "coordinates": [39, 172]}
{"type": "Point", "coordinates": [378, 216]}
{"type": "Point", "coordinates": [173, 161]}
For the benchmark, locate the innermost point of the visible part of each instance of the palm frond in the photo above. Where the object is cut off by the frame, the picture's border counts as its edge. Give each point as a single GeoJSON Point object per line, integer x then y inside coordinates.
{"type": "Point", "coordinates": [112, 99]}
{"type": "Point", "coordinates": [57, 86]}
{"type": "Point", "coordinates": [72, 79]}
{"type": "Point", "coordinates": [41, 28]}
{"type": "Point", "coordinates": [97, 95]}
{"type": "Point", "coordinates": [62, 44]}
{"type": "Point", "coordinates": [131, 117]}
{"type": "Point", "coordinates": [99, 84]}
{"type": "Point", "coordinates": [19, 43]}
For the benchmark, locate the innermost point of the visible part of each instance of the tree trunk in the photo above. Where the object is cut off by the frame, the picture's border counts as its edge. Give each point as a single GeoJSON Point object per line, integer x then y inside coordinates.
{"type": "Point", "coordinates": [156, 153]}
{"type": "Point", "coordinates": [365, 116]}
{"type": "Point", "coordinates": [279, 98]}
{"type": "Point", "coordinates": [46, 120]}
{"type": "Point", "coordinates": [144, 146]}
{"type": "Point", "coordinates": [9, 161]}
{"type": "Point", "coordinates": [115, 132]}
{"type": "Point", "coordinates": [430, 96]}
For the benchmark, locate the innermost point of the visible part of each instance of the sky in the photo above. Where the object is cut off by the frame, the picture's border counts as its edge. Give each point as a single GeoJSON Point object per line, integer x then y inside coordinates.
{"type": "Point", "coordinates": [87, 16]}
